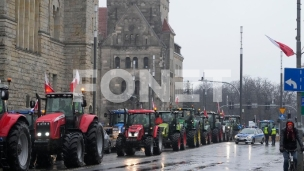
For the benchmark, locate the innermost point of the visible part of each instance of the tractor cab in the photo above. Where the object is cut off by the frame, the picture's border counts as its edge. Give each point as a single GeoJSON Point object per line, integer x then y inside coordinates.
{"type": "Point", "coordinates": [71, 105]}
{"type": "Point", "coordinates": [144, 118]}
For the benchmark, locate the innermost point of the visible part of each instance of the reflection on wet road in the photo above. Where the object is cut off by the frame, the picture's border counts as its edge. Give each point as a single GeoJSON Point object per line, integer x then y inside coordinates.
{"type": "Point", "coordinates": [222, 156]}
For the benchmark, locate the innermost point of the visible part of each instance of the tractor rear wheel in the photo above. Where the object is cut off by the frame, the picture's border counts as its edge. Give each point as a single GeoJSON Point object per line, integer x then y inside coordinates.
{"type": "Point", "coordinates": [191, 138]}
{"type": "Point", "coordinates": [94, 144]}
{"type": "Point", "coordinates": [120, 146]}
{"type": "Point", "coordinates": [19, 147]}
{"type": "Point", "coordinates": [149, 146]}
{"type": "Point", "coordinates": [73, 150]}
{"type": "Point", "coordinates": [176, 141]}
{"type": "Point", "coordinates": [199, 138]}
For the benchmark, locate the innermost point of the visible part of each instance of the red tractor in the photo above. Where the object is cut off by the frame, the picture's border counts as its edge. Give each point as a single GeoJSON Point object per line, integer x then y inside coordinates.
{"type": "Point", "coordinates": [15, 138]}
{"type": "Point", "coordinates": [65, 128]}
{"type": "Point", "coordinates": [140, 131]}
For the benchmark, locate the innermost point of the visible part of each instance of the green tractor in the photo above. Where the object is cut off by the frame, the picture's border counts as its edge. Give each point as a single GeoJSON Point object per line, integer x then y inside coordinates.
{"type": "Point", "coordinates": [216, 126]}
{"type": "Point", "coordinates": [192, 126]}
{"type": "Point", "coordinates": [233, 124]}
{"type": "Point", "coordinates": [174, 132]}
{"type": "Point", "coordinates": [206, 132]}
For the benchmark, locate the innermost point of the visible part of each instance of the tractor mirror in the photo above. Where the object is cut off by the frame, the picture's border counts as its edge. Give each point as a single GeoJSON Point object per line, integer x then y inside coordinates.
{"type": "Point", "coordinates": [118, 116]}
{"type": "Point", "coordinates": [84, 103]}
{"type": "Point", "coordinates": [4, 94]}
{"type": "Point", "coordinates": [105, 115]}
{"type": "Point", "coordinates": [156, 115]}
{"type": "Point", "coordinates": [32, 104]}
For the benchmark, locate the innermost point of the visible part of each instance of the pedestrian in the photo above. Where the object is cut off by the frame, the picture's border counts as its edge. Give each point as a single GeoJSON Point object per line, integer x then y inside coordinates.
{"type": "Point", "coordinates": [288, 143]}
{"type": "Point", "coordinates": [266, 133]}
{"type": "Point", "coordinates": [273, 135]}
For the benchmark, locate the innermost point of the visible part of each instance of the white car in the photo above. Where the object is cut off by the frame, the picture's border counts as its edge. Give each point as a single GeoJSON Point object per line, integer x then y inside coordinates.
{"type": "Point", "coordinates": [250, 135]}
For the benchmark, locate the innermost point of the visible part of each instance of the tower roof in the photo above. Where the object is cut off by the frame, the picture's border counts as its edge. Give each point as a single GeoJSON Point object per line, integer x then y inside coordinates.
{"type": "Point", "coordinates": [167, 27]}
{"type": "Point", "coordinates": [102, 21]}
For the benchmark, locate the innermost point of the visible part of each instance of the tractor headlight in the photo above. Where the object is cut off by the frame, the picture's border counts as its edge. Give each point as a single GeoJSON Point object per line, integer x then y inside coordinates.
{"type": "Point", "coordinates": [228, 127]}
{"type": "Point", "coordinates": [39, 134]}
{"type": "Point", "coordinates": [133, 134]}
{"type": "Point", "coordinates": [47, 134]}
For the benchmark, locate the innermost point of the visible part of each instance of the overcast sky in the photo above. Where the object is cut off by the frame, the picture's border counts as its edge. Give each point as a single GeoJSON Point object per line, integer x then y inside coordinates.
{"type": "Point", "coordinates": [209, 34]}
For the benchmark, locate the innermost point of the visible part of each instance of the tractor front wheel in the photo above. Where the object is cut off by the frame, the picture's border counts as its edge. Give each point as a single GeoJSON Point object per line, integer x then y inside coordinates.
{"type": "Point", "coordinates": [73, 150]}
{"type": "Point", "coordinates": [176, 141]}
{"type": "Point", "coordinates": [191, 138]}
{"type": "Point", "coordinates": [149, 146]}
{"type": "Point", "coordinates": [119, 146]}
{"type": "Point", "coordinates": [19, 146]}
{"type": "Point", "coordinates": [158, 149]}
{"type": "Point", "coordinates": [94, 144]}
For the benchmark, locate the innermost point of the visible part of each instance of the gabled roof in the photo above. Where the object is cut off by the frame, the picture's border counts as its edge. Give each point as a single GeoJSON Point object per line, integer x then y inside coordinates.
{"type": "Point", "coordinates": [135, 8]}
{"type": "Point", "coordinates": [167, 27]}
{"type": "Point", "coordinates": [102, 21]}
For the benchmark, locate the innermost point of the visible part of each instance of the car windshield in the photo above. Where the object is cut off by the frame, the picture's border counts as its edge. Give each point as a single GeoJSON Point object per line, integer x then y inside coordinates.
{"type": "Point", "coordinates": [166, 116]}
{"type": "Point", "coordinates": [247, 131]}
{"type": "Point", "coordinates": [61, 104]}
{"type": "Point", "coordinates": [141, 119]}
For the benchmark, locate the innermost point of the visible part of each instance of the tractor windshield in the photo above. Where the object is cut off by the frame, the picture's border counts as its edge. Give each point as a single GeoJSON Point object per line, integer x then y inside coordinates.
{"type": "Point", "coordinates": [117, 118]}
{"type": "Point", "coordinates": [2, 108]}
{"type": "Point", "coordinates": [263, 124]}
{"type": "Point", "coordinates": [141, 119]}
{"type": "Point", "coordinates": [166, 116]}
{"type": "Point", "coordinates": [59, 104]}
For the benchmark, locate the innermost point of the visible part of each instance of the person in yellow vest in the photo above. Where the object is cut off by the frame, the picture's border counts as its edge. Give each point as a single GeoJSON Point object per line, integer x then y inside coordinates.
{"type": "Point", "coordinates": [267, 132]}
{"type": "Point", "coordinates": [273, 135]}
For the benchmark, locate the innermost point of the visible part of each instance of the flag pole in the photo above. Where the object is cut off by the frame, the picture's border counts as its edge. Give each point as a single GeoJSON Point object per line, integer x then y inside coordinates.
{"type": "Point", "coordinates": [281, 84]}
{"type": "Point", "coordinates": [94, 62]}
{"type": "Point", "coordinates": [241, 74]}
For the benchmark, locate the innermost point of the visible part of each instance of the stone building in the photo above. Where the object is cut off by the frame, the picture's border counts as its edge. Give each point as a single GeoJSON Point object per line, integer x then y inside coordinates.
{"type": "Point", "coordinates": [137, 32]}
{"type": "Point", "coordinates": [44, 36]}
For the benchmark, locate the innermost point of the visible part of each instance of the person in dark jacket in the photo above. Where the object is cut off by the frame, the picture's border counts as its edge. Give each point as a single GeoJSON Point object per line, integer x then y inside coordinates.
{"type": "Point", "coordinates": [288, 141]}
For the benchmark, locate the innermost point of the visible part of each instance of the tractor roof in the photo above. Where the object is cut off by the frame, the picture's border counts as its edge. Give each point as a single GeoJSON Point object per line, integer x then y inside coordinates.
{"type": "Point", "coordinates": [163, 111]}
{"type": "Point", "coordinates": [118, 111]}
{"type": "Point", "coordinates": [140, 111]}
{"type": "Point", "coordinates": [64, 94]}
{"type": "Point", "coordinates": [232, 116]}
{"type": "Point", "coordinates": [183, 109]}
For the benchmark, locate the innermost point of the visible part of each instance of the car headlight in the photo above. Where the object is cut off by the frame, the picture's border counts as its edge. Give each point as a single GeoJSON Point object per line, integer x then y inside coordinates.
{"type": "Point", "coordinates": [236, 136]}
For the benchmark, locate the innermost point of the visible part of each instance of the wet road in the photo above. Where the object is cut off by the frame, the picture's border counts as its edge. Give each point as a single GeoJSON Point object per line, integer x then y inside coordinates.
{"type": "Point", "coordinates": [221, 156]}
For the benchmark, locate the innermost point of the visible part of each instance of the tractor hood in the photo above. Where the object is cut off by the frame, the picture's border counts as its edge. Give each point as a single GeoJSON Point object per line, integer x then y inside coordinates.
{"type": "Point", "coordinates": [119, 125]}
{"type": "Point", "coordinates": [51, 117]}
{"type": "Point", "coordinates": [163, 125]}
{"type": "Point", "coordinates": [135, 128]}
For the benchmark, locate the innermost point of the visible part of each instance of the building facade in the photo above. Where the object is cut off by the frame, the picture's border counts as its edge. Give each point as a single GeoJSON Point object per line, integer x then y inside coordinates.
{"type": "Point", "coordinates": [137, 37]}
{"type": "Point", "coordinates": [44, 36]}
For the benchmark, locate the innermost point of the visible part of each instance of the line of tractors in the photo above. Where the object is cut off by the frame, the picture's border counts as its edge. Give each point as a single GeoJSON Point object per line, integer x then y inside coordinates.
{"type": "Point", "coordinates": [134, 129]}
{"type": "Point", "coordinates": [61, 128]}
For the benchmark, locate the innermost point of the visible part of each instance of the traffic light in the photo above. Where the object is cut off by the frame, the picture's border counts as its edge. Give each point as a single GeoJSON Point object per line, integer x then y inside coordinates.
{"type": "Point", "coordinates": [248, 105]}
{"type": "Point", "coordinates": [230, 105]}
{"type": "Point", "coordinates": [288, 115]}
{"type": "Point", "coordinates": [283, 104]}
{"type": "Point", "coordinates": [254, 120]}
{"type": "Point", "coordinates": [267, 106]}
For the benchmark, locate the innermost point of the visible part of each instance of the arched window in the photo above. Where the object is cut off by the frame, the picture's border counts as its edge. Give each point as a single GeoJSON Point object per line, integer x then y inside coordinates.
{"type": "Point", "coordinates": [136, 62]}
{"type": "Point", "coordinates": [146, 62]}
{"type": "Point", "coordinates": [117, 62]}
{"type": "Point", "coordinates": [128, 62]}
{"type": "Point", "coordinates": [137, 87]}
{"type": "Point", "coordinates": [123, 86]}
{"type": "Point", "coordinates": [127, 39]}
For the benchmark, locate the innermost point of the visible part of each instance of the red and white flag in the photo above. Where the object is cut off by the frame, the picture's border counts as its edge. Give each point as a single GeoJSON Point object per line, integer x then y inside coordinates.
{"type": "Point", "coordinates": [218, 108]}
{"type": "Point", "coordinates": [153, 105]}
{"type": "Point", "coordinates": [205, 112]}
{"type": "Point", "coordinates": [35, 107]}
{"type": "Point", "coordinates": [176, 100]}
{"type": "Point", "coordinates": [75, 82]}
{"type": "Point", "coordinates": [47, 86]}
{"type": "Point", "coordinates": [286, 49]}
{"type": "Point", "coordinates": [223, 114]}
